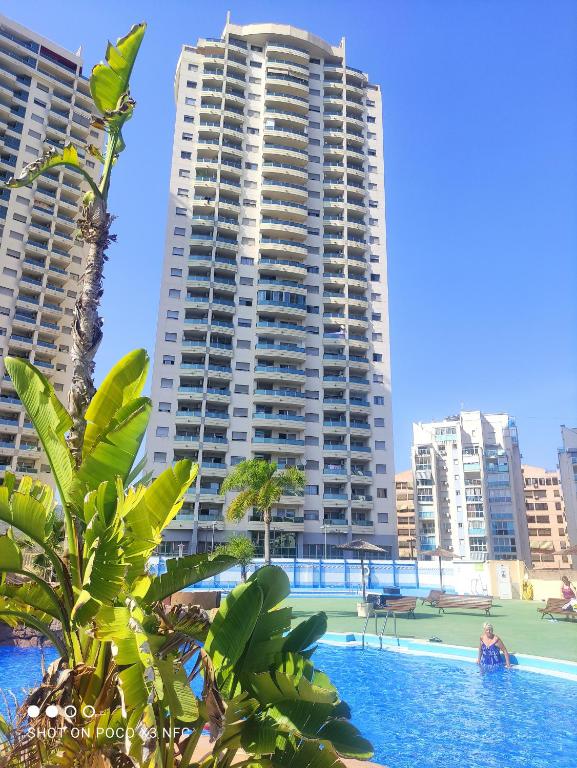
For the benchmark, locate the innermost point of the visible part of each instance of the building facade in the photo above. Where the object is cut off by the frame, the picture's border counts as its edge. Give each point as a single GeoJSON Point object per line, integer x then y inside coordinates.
{"type": "Point", "coordinates": [405, 508]}
{"type": "Point", "coordinates": [469, 487]}
{"type": "Point", "coordinates": [44, 101]}
{"type": "Point", "coordinates": [568, 476]}
{"type": "Point", "coordinates": [545, 517]}
{"type": "Point", "coordinates": [273, 336]}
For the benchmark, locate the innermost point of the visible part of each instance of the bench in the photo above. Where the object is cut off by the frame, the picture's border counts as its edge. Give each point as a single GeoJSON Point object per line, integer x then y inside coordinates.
{"type": "Point", "coordinates": [399, 605]}
{"type": "Point", "coordinates": [433, 597]}
{"type": "Point", "coordinates": [554, 605]}
{"type": "Point", "coordinates": [206, 599]}
{"type": "Point", "coordinates": [464, 602]}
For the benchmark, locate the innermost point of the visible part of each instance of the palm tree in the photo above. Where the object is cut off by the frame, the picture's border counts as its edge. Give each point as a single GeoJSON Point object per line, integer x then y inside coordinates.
{"type": "Point", "coordinates": [260, 484]}
{"type": "Point", "coordinates": [242, 549]}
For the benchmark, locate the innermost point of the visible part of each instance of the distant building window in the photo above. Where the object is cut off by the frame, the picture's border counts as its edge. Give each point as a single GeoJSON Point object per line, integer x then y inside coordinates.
{"type": "Point", "coordinates": [162, 431]}
{"type": "Point", "coordinates": [160, 457]}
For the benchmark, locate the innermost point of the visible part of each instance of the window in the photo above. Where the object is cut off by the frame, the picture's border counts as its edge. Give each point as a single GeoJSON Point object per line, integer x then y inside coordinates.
{"type": "Point", "coordinates": [170, 337]}
{"type": "Point", "coordinates": [240, 412]}
{"type": "Point", "coordinates": [186, 155]}
{"type": "Point", "coordinates": [310, 440]}
{"type": "Point", "coordinates": [376, 316]}
{"type": "Point", "coordinates": [175, 272]}
{"type": "Point", "coordinates": [241, 389]}
{"type": "Point", "coordinates": [172, 314]}
{"type": "Point", "coordinates": [246, 281]}
{"type": "Point", "coordinates": [244, 322]}
{"type": "Point", "coordinates": [311, 464]}
{"type": "Point", "coordinates": [239, 435]}
{"type": "Point", "coordinates": [313, 352]}
{"type": "Point", "coordinates": [182, 192]}
{"type": "Point", "coordinates": [377, 357]}
{"type": "Point", "coordinates": [188, 118]}
{"type": "Point", "coordinates": [242, 366]}
{"type": "Point", "coordinates": [381, 469]}
{"type": "Point", "coordinates": [383, 517]}
{"type": "Point", "coordinates": [378, 378]}
{"type": "Point", "coordinates": [190, 84]}
{"type": "Point", "coordinates": [179, 231]}
{"type": "Point", "coordinates": [380, 445]}
{"type": "Point", "coordinates": [178, 251]}
{"type": "Point", "coordinates": [183, 173]}
{"type": "Point", "coordinates": [311, 490]}
{"type": "Point", "coordinates": [180, 211]}
{"type": "Point", "coordinates": [312, 310]}
{"type": "Point", "coordinates": [173, 293]}
{"type": "Point", "coordinates": [311, 394]}
{"type": "Point", "coordinates": [243, 344]}
{"type": "Point", "coordinates": [234, 460]}
{"type": "Point", "coordinates": [190, 101]}
{"type": "Point", "coordinates": [379, 400]}
{"type": "Point", "coordinates": [168, 359]}
{"type": "Point", "coordinates": [162, 431]}
{"type": "Point", "coordinates": [244, 301]}
{"type": "Point", "coordinates": [312, 373]}
{"type": "Point", "coordinates": [381, 493]}
{"type": "Point", "coordinates": [246, 260]}
{"type": "Point", "coordinates": [311, 418]}
{"type": "Point", "coordinates": [159, 457]}
{"type": "Point", "coordinates": [379, 422]}
{"type": "Point", "coordinates": [166, 383]}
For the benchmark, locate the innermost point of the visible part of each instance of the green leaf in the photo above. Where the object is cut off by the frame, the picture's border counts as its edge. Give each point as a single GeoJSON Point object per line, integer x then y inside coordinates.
{"type": "Point", "coordinates": [122, 385]}
{"type": "Point", "coordinates": [50, 158]}
{"type": "Point", "coordinates": [161, 501]}
{"type": "Point", "coordinates": [232, 627]}
{"type": "Point", "coordinates": [309, 754]}
{"type": "Point", "coordinates": [10, 554]}
{"type": "Point", "coordinates": [50, 419]}
{"type": "Point", "coordinates": [110, 81]}
{"type": "Point", "coordinates": [274, 583]}
{"type": "Point", "coordinates": [114, 454]}
{"type": "Point", "coordinates": [26, 513]}
{"type": "Point", "coordinates": [184, 572]}
{"type": "Point", "coordinates": [177, 692]}
{"type": "Point", "coordinates": [346, 739]}
{"type": "Point", "coordinates": [30, 597]}
{"type": "Point", "coordinates": [306, 633]}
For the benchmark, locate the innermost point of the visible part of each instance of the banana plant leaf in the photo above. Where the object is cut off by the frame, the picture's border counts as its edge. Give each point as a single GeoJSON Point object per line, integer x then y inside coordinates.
{"type": "Point", "coordinates": [184, 572]}
{"type": "Point", "coordinates": [110, 80]}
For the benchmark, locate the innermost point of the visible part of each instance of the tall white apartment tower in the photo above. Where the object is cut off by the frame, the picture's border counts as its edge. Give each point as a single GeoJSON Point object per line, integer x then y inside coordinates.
{"type": "Point", "coordinates": [273, 336]}
{"type": "Point", "coordinates": [469, 487]}
{"type": "Point", "coordinates": [44, 101]}
{"type": "Point", "coordinates": [568, 474]}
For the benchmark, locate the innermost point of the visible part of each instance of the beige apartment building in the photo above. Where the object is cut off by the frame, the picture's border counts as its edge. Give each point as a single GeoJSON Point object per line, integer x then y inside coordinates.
{"type": "Point", "coordinates": [273, 336]}
{"type": "Point", "coordinates": [469, 487]}
{"type": "Point", "coordinates": [545, 516]}
{"type": "Point", "coordinates": [44, 101]}
{"type": "Point", "coordinates": [405, 507]}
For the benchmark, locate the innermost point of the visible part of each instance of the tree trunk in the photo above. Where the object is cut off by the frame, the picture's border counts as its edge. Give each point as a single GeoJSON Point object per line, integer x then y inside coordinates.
{"type": "Point", "coordinates": [243, 571]}
{"type": "Point", "coordinates": [94, 225]}
{"type": "Point", "coordinates": [267, 518]}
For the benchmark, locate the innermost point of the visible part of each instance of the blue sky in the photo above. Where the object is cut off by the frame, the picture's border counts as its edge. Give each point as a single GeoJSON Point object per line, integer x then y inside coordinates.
{"type": "Point", "coordinates": [480, 127]}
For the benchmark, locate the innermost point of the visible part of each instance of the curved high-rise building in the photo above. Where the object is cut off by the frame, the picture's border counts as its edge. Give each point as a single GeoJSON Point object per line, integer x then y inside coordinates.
{"type": "Point", "coordinates": [273, 337]}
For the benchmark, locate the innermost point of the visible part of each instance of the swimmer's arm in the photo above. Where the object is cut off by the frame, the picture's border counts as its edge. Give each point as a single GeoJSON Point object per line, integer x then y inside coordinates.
{"type": "Point", "coordinates": [479, 654]}
{"type": "Point", "coordinates": [501, 647]}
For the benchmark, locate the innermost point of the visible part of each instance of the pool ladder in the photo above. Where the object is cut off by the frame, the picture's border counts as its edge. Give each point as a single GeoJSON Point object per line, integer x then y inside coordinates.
{"type": "Point", "coordinates": [382, 632]}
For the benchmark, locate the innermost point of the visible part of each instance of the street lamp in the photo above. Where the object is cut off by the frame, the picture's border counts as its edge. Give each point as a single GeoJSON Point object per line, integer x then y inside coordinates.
{"type": "Point", "coordinates": [411, 543]}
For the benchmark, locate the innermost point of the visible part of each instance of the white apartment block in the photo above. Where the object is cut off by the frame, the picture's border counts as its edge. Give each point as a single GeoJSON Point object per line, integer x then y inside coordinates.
{"type": "Point", "coordinates": [469, 487]}
{"type": "Point", "coordinates": [568, 474]}
{"type": "Point", "coordinates": [44, 101]}
{"type": "Point", "coordinates": [273, 336]}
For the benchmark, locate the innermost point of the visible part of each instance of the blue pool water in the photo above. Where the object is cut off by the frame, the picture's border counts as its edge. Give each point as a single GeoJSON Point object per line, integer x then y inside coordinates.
{"type": "Point", "coordinates": [430, 713]}
{"type": "Point", "coordinates": [426, 712]}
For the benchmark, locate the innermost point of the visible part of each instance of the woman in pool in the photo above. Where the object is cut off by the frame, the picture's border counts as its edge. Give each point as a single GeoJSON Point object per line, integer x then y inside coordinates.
{"type": "Point", "coordinates": [568, 593]}
{"type": "Point", "coordinates": [490, 647]}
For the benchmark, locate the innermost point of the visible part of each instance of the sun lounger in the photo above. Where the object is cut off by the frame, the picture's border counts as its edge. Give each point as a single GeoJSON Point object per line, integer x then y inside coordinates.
{"type": "Point", "coordinates": [432, 597]}
{"type": "Point", "coordinates": [554, 607]}
{"type": "Point", "coordinates": [464, 603]}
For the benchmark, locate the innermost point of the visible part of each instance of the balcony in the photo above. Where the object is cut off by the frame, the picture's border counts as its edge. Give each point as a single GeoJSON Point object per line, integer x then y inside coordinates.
{"type": "Point", "coordinates": [277, 440]}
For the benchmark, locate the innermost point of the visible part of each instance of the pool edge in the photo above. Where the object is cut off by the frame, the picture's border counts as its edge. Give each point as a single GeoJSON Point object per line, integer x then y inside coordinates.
{"type": "Point", "coordinates": [543, 665]}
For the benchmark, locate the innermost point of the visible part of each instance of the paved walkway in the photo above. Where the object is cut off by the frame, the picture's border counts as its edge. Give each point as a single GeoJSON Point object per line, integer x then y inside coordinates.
{"type": "Point", "coordinates": [517, 622]}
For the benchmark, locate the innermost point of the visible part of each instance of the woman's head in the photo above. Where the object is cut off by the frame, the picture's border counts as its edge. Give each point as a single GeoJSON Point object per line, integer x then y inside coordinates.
{"type": "Point", "coordinates": [488, 629]}
{"type": "Point", "coordinates": [565, 580]}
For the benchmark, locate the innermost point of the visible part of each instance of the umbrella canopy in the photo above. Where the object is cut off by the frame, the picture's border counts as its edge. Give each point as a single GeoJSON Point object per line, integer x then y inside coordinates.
{"type": "Point", "coordinates": [363, 548]}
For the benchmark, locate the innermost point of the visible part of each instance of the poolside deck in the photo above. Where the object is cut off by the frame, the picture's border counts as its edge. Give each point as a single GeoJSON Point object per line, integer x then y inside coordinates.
{"type": "Point", "coordinates": [517, 622]}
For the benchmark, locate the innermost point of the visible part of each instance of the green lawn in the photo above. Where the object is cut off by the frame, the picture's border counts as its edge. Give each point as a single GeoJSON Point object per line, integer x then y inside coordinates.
{"type": "Point", "coordinates": [517, 623]}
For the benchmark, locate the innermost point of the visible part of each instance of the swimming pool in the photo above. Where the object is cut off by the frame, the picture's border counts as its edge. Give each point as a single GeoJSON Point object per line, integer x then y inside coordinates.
{"type": "Point", "coordinates": [426, 712]}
